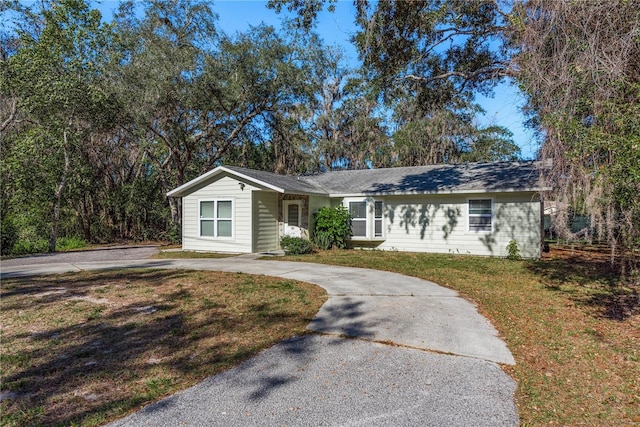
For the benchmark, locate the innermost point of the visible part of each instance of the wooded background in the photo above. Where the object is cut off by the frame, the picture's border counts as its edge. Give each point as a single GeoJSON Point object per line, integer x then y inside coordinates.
{"type": "Point", "coordinates": [100, 118]}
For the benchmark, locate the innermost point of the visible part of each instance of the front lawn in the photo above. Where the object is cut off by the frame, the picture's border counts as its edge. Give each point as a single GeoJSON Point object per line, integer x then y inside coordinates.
{"type": "Point", "coordinates": [86, 348]}
{"type": "Point", "coordinates": [572, 328]}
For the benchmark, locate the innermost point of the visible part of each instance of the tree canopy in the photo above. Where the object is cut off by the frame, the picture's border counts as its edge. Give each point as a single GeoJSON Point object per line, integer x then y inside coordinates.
{"type": "Point", "coordinates": [575, 62]}
{"type": "Point", "coordinates": [100, 118]}
{"type": "Point", "coordinates": [579, 65]}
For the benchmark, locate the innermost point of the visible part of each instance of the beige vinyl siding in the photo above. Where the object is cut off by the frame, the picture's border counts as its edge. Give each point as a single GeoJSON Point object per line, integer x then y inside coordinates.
{"type": "Point", "coordinates": [265, 221]}
{"type": "Point", "coordinates": [222, 188]}
{"type": "Point", "coordinates": [439, 223]}
{"type": "Point", "coordinates": [517, 217]}
{"type": "Point", "coordinates": [315, 204]}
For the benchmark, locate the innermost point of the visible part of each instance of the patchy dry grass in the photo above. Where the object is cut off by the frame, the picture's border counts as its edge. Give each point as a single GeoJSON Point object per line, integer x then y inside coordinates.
{"type": "Point", "coordinates": [85, 348]}
{"type": "Point", "coordinates": [571, 326]}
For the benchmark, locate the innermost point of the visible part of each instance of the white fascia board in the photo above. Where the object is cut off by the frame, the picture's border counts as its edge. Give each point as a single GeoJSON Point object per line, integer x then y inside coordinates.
{"type": "Point", "coordinates": [180, 191]}
{"type": "Point", "coordinates": [418, 193]}
{"type": "Point", "coordinates": [305, 193]}
{"type": "Point", "coordinates": [254, 180]}
{"type": "Point", "coordinates": [177, 192]}
{"type": "Point", "coordinates": [339, 195]}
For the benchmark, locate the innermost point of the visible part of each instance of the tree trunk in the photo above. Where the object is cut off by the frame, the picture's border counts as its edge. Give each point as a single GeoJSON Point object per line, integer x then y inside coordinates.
{"type": "Point", "coordinates": [58, 197]}
{"type": "Point", "coordinates": [175, 204]}
{"type": "Point", "coordinates": [87, 220]}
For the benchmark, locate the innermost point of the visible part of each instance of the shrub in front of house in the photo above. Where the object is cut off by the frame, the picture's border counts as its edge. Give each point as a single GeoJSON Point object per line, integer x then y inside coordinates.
{"type": "Point", "coordinates": [514, 251]}
{"type": "Point", "coordinates": [322, 240]}
{"type": "Point", "coordinates": [296, 245]}
{"type": "Point", "coordinates": [332, 227]}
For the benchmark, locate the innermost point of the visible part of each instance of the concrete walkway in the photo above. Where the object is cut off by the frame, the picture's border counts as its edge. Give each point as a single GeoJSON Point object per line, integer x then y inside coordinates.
{"type": "Point", "coordinates": [423, 356]}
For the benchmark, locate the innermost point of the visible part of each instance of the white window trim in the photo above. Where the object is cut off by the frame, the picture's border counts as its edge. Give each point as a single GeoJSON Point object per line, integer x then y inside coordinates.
{"type": "Point", "coordinates": [285, 216]}
{"type": "Point", "coordinates": [370, 217]}
{"type": "Point", "coordinates": [492, 216]}
{"type": "Point", "coordinates": [215, 219]}
{"type": "Point", "coordinates": [381, 236]}
{"type": "Point", "coordinates": [285, 209]}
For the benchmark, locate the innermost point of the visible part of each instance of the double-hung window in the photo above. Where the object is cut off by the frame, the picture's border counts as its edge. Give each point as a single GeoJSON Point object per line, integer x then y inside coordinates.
{"type": "Point", "coordinates": [216, 218]}
{"type": "Point", "coordinates": [480, 215]}
{"type": "Point", "coordinates": [367, 217]}
{"type": "Point", "coordinates": [378, 215]}
{"type": "Point", "coordinates": [358, 211]}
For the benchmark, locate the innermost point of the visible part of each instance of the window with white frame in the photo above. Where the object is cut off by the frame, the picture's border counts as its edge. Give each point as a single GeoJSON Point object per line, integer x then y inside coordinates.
{"type": "Point", "coordinates": [480, 215]}
{"type": "Point", "coordinates": [358, 211]}
{"type": "Point", "coordinates": [216, 218]}
{"type": "Point", "coordinates": [378, 216]}
{"type": "Point", "coordinates": [367, 218]}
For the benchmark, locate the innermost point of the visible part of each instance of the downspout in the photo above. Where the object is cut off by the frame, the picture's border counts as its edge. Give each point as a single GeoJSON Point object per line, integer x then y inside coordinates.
{"type": "Point", "coordinates": [541, 225]}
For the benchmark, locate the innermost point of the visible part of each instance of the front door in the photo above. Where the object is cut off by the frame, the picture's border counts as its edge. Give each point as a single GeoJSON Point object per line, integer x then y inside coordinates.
{"type": "Point", "coordinates": [292, 218]}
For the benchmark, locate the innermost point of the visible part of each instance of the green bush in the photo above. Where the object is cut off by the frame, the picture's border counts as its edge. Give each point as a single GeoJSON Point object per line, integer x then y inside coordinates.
{"type": "Point", "coordinates": [513, 250]}
{"type": "Point", "coordinates": [8, 236]}
{"type": "Point", "coordinates": [323, 240]}
{"type": "Point", "coordinates": [31, 246]}
{"type": "Point", "coordinates": [332, 227]}
{"type": "Point", "coordinates": [68, 243]}
{"type": "Point", "coordinates": [296, 245]}
{"type": "Point", "coordinates": [174, 234]}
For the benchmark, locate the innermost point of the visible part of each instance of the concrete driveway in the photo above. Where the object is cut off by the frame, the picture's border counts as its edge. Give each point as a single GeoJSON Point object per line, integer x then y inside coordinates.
{"type": "Point", "coordinates": [391, 350]}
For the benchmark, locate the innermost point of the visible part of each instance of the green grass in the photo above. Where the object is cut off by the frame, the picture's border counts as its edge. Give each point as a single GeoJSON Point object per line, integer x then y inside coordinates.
{"type": "Point", "coordinates": [572, 327]}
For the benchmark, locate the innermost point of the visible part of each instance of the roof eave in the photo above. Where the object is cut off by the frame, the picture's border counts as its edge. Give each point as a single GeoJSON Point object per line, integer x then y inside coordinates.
{"type": "Point", "coordinates": [418, 193]}
{"type": "Point", "coordinates": [183, 189]}
{"type": "Point", "coordinates": [306, 193]}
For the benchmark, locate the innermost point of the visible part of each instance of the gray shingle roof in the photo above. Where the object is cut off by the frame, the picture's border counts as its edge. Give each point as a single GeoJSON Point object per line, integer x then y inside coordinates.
{"type": "Point", "coordinates": [467, 177]}
{"type": "Point", "coordinates": [462, 178]}
{"type": "Point", "coordinates": [290, 184]}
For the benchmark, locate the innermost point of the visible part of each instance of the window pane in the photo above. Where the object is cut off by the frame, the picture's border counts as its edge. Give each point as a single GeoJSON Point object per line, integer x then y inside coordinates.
{"type": "Point", "coordinates": [480, 223]}
{"type": "Point", "coordinates": [292, 215]}
{"type": "Point", "coordinates": [378, 209]}
{"type": "Point", "coordinates": [224, 228]}
{"type": "Point", "coordinates": [358, 209]}
{"type": "Point", "coordinates": [482, 203]}
{"type": "Point", "coordinates": [206, 228]}
{"type": "Point", "coordinates": [359, 228]}
{"type": "Point", "coordinates": [207, 209]}
{"type": "Point", "coordinates": [378, 228]}
{"type": "Point", "coordinates": [224, 209]}
{"type": "Point", "coordinates": [480, 207]}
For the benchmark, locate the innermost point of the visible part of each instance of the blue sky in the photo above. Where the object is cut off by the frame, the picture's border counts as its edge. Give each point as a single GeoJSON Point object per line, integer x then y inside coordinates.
{"type": "Point", "coordinates": [336, 28]}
